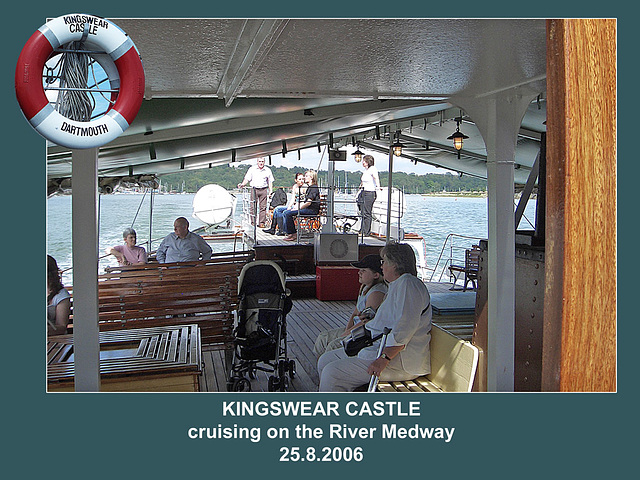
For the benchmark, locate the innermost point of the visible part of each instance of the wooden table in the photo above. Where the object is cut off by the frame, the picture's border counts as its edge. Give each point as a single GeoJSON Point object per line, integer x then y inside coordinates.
{"type": "Point", "coordinates": [159, 359]}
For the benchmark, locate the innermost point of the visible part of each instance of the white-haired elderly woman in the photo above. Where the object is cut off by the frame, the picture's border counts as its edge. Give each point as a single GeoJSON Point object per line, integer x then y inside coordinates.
{"type": "Point", "coordinates": [129, 253]}
{"type": "Point", "coordinates": [406, 310]}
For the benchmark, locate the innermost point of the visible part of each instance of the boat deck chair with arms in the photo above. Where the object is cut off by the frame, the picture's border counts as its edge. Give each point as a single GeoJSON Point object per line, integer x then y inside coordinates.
{"type": "Point", "coordinates": [470, 268]}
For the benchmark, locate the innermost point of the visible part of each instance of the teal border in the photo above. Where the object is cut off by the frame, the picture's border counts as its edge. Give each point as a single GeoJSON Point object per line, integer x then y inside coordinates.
{"type": "Point", "coordinates": [108, 435]}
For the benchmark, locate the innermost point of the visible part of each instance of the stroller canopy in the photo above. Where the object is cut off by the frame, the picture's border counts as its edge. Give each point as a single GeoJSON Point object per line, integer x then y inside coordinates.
{"type": "Point", "coordinates": [262, 276]}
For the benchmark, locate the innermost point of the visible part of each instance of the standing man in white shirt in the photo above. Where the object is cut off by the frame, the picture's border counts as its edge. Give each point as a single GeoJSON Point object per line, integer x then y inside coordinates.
{"type": "Point", "coordinates": [260, 178]}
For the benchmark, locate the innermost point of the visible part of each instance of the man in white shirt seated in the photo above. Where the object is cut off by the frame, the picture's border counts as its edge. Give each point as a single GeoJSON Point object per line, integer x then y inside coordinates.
{"type": "Point", "coordinates": [182, 245]}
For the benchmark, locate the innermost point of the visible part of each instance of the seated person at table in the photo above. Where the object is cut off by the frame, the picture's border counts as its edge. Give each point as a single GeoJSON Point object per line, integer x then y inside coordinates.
{"type": "Point", "coordinates": [372, 293]}
{"type": "Point", "coordinates": [310, 205]}
{"type": "Point", "coordinates": [129, 253]}
{"type": "Point", "coordinates": [296, 191]}
{"type": "Point", "coordinates": [406, 310]}
{"type": "Point", "coordinates": [182, 245]}
{"type": "Point", "coordinates": [58, 300]}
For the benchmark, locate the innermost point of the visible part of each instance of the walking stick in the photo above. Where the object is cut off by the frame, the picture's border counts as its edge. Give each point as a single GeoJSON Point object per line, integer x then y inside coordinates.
{"type": "Point", "coordinates": [373, 383]}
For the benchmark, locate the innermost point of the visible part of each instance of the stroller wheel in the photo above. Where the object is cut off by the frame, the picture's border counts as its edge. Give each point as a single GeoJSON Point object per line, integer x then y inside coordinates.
{"type": "Point", "coordinates": [292, 368]}
{"type": "Point", "coordinates": [233, 379]}
{"type": "Point", "coordinates": [274, 384]}
{"type": "Point", "coordinates": [284, 384]}
{"type": "Point", "coordinates": [241, 384]}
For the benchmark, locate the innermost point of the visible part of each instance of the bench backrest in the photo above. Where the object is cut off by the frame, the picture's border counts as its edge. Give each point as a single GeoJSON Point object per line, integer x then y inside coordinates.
{"type": "Point", "coordinates": [322, 212]}
{"type": "Point", "coordinates": [202, 293]}
{"type": "Point", "coordinates": [472, 259]}
{"type": "Point", "coordinates": [453, 361]}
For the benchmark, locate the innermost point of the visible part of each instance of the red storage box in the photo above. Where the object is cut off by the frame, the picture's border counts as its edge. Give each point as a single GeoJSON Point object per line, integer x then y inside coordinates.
{"type": "Point", "coordinates": [337, 283]}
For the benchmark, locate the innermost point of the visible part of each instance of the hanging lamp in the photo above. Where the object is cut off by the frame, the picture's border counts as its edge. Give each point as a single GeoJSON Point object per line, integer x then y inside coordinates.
{"type": "Point", "coordinates": [357, 155]}
{"type": "Point", "coordinates": [458, 137]}
{"type": "Point", "coordinates": [397, 146]}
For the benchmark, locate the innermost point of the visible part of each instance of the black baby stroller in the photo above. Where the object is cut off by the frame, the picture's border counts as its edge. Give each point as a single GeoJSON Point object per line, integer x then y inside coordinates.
{"type": "Point", "coordinates": [261, 330]}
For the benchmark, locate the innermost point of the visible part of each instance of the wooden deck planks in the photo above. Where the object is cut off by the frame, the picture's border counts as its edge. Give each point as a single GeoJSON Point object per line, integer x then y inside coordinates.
{"type": "Point", "coordinates": [308, 317]}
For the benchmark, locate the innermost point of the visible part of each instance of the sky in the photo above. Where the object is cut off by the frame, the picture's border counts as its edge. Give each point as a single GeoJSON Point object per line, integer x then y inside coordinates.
{"type": "Point", "coordinates": [311, 159]}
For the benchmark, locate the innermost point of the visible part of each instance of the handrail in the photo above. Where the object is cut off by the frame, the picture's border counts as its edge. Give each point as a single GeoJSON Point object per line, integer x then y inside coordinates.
{"type": "Point", "coordinates": [249, 227]}
{"type": "Point", "coordinates": [449, 260]}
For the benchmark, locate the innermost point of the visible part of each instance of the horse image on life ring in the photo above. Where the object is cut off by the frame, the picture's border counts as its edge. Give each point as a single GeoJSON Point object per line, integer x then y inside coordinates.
{"type": "Point", "coordinates": [112, 49]}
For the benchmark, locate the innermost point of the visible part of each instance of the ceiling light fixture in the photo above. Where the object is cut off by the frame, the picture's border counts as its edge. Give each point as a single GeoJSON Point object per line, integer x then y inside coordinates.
{"type": "Point", "coordinates": [397, 146]}
{"type": "Point", "coordinates": [358, 154]}
{"type": "Point", "coordinates": [457, 136]}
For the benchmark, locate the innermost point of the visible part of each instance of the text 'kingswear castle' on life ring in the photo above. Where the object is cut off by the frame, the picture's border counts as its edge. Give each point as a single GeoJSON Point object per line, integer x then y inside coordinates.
{"type": "Point", "coordinates": [112, 49]}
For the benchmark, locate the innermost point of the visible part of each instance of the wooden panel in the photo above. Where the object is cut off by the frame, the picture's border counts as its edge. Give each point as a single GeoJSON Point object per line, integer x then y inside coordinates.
{"type": "Point", "coordinates": [302, 254]}
{"type": "Point", "coordinates": [579, 344]}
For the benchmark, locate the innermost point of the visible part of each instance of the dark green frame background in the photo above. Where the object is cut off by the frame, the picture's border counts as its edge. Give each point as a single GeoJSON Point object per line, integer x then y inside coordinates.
{"type": "Point", "coordinates": [127, 435]}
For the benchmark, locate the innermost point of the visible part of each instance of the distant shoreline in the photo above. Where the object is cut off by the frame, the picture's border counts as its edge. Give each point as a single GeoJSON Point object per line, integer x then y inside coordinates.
{"type": "Point", "coordinates": [456, 194]}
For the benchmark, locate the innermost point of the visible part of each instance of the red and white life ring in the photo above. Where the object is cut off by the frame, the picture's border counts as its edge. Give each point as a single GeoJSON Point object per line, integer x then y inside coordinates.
{"type": "Point", "coordinates": [100, 35]}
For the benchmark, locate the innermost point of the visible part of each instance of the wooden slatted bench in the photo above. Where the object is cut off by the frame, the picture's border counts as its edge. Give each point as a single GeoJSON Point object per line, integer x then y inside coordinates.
{"type": "Point", "coordinates": [203, 292]}
{"type": "Point", "coordinates": [453, 367]}
{"type": "Point", "coordinates": [157, 359]}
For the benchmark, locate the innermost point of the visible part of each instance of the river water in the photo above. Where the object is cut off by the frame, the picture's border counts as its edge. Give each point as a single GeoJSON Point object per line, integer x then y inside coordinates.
{"type": "Point", "coordinates": [432, 217]}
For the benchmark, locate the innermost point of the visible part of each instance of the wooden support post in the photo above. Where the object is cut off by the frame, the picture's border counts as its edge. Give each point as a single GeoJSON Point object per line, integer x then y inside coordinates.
{"type": "Point", "coordinates": [579, 340]}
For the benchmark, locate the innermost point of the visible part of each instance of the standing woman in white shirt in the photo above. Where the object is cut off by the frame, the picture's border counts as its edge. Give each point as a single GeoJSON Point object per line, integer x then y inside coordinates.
{"type": "Point", "coordinates": [370, 183]}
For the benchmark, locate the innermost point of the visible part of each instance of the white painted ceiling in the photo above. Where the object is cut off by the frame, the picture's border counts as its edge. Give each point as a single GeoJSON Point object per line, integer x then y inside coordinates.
{"type": "Point", "coordinates": [219, 90]}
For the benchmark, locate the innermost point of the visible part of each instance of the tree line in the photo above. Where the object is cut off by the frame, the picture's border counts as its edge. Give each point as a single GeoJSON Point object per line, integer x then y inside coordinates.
{"type": "Point", "coordinates": [229, 177]}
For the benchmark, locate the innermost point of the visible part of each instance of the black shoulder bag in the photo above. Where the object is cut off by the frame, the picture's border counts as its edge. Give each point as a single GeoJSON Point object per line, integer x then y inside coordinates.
{"type": "Point", "coordinates": [360, 338]}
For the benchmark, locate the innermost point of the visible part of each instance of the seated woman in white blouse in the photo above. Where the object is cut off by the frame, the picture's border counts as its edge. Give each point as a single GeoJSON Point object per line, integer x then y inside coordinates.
{"type": "Point", "coordinates": [406, 310]}
{"type": "Point", "coordinates": [58, 300]}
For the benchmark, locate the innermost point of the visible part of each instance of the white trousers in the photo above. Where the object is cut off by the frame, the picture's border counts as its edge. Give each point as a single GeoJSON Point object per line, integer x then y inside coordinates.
{"type": "Point", "coordinates": [328, 340]}
{"type": "Point", "coordinates": [341, 373]}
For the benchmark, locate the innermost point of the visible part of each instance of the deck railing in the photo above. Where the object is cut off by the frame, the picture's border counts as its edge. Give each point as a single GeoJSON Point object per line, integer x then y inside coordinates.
{"type": "Point", "coordinates": [347, 218]}
{"type": "Point", "coordinates": [455, 245]}
{"type": "Point", "coordinates": [249, 225]}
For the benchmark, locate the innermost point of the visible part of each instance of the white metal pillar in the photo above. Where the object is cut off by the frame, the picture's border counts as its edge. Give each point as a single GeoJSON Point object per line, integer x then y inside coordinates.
{"type": "Point", "coordinates": [498, 118]}
{"type": "Point", "coordinates": [389, 191]}
{"type": "Point", "coordinates": [331, 172]}
{"type": "Point", "coordinates": [84, 204]}
{"type": "Point", "coordinates": [500, 143]}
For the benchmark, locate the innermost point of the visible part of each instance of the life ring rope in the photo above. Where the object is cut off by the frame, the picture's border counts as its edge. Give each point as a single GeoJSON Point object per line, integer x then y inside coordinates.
{"type": "Point", "coordinates": [103, 37]}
